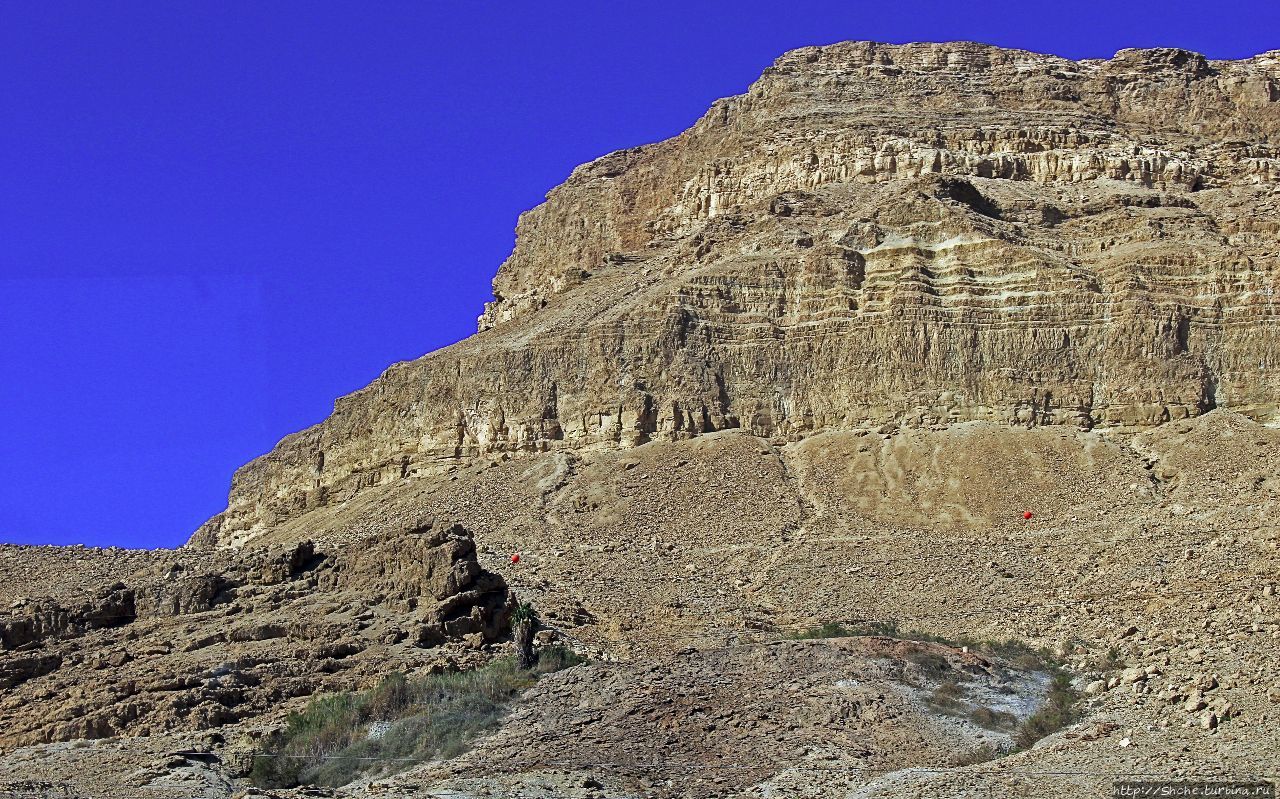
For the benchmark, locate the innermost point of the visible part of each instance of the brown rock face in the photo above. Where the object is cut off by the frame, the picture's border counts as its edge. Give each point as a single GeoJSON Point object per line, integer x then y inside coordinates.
{"type": "Point", "coordinates": [921, 234]}
{"type": "Point", "coordinates": [197, 639]}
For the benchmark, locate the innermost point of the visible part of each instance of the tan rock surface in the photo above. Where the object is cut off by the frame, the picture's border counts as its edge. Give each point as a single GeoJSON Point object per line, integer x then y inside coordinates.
{"type": "Point", "coordinates": [922, 234]}
{"type": "Point", "coordinates": [810, 361]}
{"type": "Point", "coordinates": [201, 640]}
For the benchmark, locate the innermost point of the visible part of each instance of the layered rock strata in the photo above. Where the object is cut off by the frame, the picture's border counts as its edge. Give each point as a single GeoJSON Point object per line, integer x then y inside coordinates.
{"type": "Point", "coordinates": [918, 234]}
{"type": "Point", "coordinates": [200, 640]}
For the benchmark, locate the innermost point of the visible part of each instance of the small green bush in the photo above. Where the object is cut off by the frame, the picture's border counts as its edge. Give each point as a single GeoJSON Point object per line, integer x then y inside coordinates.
{"type": "Point", "coordinates": [524, 612]}
{"type": "Point", "coordinates": [983, 754]}
{"type": "Point", "coordinates": [1058, 711]}
{"type": "Point", "coordinates": [1111, 660]}
{"type": "Point", "coordinates": [830, 629]}
{"type": "Point", "coordinates": [1023, 654]}
{"type": "Point", "coordinates": [556, 658]}
{"type": "Point", "coordinates": [1020, 653]}
{"type": "Point", "coordinates": [993, 719]}
{"type": "Point", "coordinates": [948, 697]}
{"type": "Point", "coordinates": [835, 629]}
{"type": "Point", "coordinates": [436, 716]}
{"type": "Point", "coordinates": [931, 664]}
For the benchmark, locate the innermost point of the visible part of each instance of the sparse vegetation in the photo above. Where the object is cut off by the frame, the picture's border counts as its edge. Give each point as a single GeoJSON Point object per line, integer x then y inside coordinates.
{"type": "Point", "coordinates": [931, 664]}
{"type": "Point", "coordinates": [1058, 711]}
{"type": "Point", "coordinates": [993, 719]}
{"type": "Point", "coordinates": [834, 629]}
{"type": "Point", "coordinates": [395, 724]}
{"type": "Point", "coordinates": [983, 754]}
{"type": "Point", "coordinates": [830, 629]}
{"type": "Point", "coordinates": [947, 697]}
{"type": "Point", "coordinates": [556, 658]}
{"type": "Point", "coordinates": [524, 622]}
{"type": "Point", "coordinates": [1017, 652]}
{"type": "Point", "coordinates": [1111, 660]}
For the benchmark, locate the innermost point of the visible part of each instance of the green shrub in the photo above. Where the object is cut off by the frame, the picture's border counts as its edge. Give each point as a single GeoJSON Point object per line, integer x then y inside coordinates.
{"type": "Point", "coordinates": [1020, 653]}
{"type": "Point", "coordinates": [830, 629]}
{"type": "Point", "coordinates": [436, 716]}
{"type": "Point", "coordinates": [1111, 660]}
{"type": "Point", "coordinates": [389, 697]}
{"type": "Point", "coordinates": [524, 612]}
{"type": "Point", "coordinates": [1058, 711]}
{"type": "Point", "coordinates": [1024, 654]}
{"type": "Point", "coordinates": [993, 719]}
{"type": "Point", "coordinates": [948, 697]}
{"type": "Point", "coordinates": [556, 658]}
{"type": "Point", "coordinates": [932, 664]}
{"type": "Point", "coordinates": [835, 629]}
{"type": "Point", "coordinates": [889, 628]}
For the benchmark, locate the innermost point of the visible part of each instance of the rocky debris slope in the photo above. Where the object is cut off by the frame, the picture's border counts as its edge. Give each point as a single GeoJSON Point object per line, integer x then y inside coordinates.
{"type": "Point", "coordinates": [921, 234]}
{"type": "Point", "coordinates": [200, 640]}
{"type": "Point", "coordinates": [784, 715]}
{"type": "Point", "coordinates": [700, 723]}
{"type": "Point", "coordinates": [1150, 566]}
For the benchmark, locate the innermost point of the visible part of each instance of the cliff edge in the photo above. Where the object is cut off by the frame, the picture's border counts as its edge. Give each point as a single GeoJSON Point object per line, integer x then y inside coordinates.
{"type": "Point", "coordinates": [917, 235]}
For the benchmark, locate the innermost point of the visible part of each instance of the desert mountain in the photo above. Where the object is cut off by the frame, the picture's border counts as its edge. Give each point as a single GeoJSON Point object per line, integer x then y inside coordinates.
{"type": "Point", "coordinates": [919, 234]}
{"type": "Point", "coordinates": [915, 393]}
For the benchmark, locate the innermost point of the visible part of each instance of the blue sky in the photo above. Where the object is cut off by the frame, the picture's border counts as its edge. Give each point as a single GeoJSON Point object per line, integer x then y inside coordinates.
{"type": "Point", "coordinates": [217, 218]}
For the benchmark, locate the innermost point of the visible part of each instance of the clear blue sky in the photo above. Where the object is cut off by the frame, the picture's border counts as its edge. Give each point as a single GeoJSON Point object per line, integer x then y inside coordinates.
{"type": "Point", "coordinates": [218, 217]}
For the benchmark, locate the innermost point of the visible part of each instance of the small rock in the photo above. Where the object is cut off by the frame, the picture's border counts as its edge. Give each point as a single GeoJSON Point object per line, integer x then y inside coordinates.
{"type": "Point", "coordinates": [1171, 695]}
{"type": "Point", "coordinates": [1223, 709]}
{"type": "Point", "coordinates": [1195, 702]}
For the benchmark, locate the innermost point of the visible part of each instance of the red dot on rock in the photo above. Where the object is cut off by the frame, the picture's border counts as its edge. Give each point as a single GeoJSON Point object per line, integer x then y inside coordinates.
{"type": "Point", "coordinates": [515, 558]}
{"type": "Point", "coordinates": [1027, 515]}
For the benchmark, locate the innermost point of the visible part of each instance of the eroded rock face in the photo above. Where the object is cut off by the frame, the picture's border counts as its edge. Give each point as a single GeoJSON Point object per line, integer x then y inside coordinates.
{"type": "Point", "coordinates": [922, 234]}
{"type": "Point", "coordinates": [200, 639]}
{"type": "Point", "coordinates": [30, 622]}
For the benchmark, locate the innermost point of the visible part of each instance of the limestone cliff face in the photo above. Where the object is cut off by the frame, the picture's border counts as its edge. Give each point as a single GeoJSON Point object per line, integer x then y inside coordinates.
{"type": "Point", "coordinates": [919, 234]}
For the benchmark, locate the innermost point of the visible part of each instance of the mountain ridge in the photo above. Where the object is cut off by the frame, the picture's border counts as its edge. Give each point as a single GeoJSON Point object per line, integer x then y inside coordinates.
{"type": "Point", "coordinates": [871, 234]}
{"type": "Point", "coordinates": [906, 428]}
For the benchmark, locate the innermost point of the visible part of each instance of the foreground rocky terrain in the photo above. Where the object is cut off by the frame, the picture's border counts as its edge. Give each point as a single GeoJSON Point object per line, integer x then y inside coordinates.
{"type": "Point", "coordinates": [814, 360]}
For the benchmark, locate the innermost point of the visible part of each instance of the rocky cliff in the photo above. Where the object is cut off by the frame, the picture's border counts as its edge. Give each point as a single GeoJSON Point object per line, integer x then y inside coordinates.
{"type": "Point", "coordinates": [800, 371]}
{"type": "Point", "coordinates": [191, 639]}
{"type": "Point", "coordinates": [918, 235]}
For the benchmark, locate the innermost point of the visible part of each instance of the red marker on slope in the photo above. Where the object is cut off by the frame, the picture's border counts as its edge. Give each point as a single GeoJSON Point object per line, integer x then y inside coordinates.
{"type": "Point", "coordinates": [1027, 515]}
{"type": "Point", "coordinates": [515, 558]}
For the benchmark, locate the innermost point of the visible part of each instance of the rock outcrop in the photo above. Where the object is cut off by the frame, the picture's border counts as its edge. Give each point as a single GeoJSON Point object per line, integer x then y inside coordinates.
{"type": "Point", "coordinates": [919, 234]}
{"type": "Point", "coordinates": [198, 640]}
